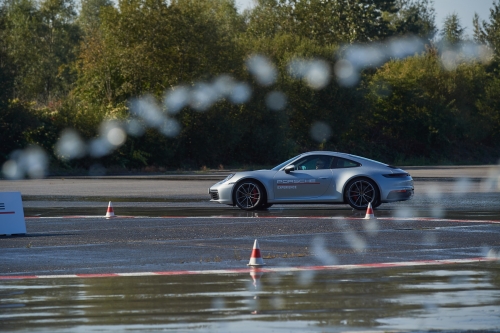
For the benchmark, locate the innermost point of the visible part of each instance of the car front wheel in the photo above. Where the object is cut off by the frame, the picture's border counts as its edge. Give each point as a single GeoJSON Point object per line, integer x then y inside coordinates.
{"type": "Point", "coordinates": [249, 195]}
{"type": "Point", "coordinates": [360, 192]}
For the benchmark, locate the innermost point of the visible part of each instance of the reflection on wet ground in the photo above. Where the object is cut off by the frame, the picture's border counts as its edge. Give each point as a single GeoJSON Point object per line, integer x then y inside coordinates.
{"type": "Point", "coordinates": [459, 297]}
{"type": "Point", "coordinates": [65, 198]}
{"type": "Point", "coordinates": [284, 211]}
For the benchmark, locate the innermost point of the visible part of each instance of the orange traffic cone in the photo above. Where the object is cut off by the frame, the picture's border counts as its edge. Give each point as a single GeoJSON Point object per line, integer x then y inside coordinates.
{"type": "Point", "coordinates": [256, 258]}
{"type": "Point", "coordinates": [110, 213]}
{"type": "Point", "coordinates": [369, 212]}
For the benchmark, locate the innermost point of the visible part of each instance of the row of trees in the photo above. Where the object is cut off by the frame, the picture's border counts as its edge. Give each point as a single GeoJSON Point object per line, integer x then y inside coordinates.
{"type": "Point", "coordinates": [66, 68]}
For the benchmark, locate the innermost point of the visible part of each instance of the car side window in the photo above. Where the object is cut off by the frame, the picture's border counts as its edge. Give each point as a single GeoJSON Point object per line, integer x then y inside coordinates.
{"type": "Point", "coordinates": [314, 162]}
{"type": "Point", "coordinates": [340, 163]}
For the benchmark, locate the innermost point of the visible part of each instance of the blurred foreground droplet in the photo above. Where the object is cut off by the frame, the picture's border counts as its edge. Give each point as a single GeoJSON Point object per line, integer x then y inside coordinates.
{"type": "Point", "coordinates": [113, 132]}
{"type": "Point", "coordinates": [147, 109]}
{"type": "Point", "coordinates": [466, 52]}
{"type": "Point", "coordinates": [306, 277]}
{"type": "Point", "coordinates": [32, 162]}
{"type": "Point", "coordinates": [492, 182]}
{"type": "Point", "coordinates": [450, 60]}
{"type": "Point", "coordinates": [276, 100]}
{"type": "Point", "coordinates": [203, 96]}
{"type": "Point", "coordinates": [170, 128]}
{"type": "Point", "coordinates": [277, 302]}
{"type": "Point", "coordinates": [347, 75]}
{"type": "Point", "coordinates": [355, 58]}
{"type": "Point", "coordinates": [70, 145]}
{"type": "Point", "coordinates": [11, 170]}
{"type": "Point", "coordinates": [430, 238]}
{"type": "Point", "coordinates": [366, 56]}
{"type": "Point", "coordinates": [462, 186]}
{"type": "Point", "coordinates": [404, 212]}
{"type": "Point", "coordinates": [116, 136]}
{"type": "Point", "coordinates": [399, 48]}
{"type": "Point", "coordinates": [224, 85]}
{"type": "Point", "coordinates": [99, 147]}
{"type": "Point", "coordinates": [134, 127]}
{"type": "Point", "coordinates": [97, 170]}
{"type": "Point", "coordinates": [218, 303]}
{"type": "Point", "coordinates": [371, 227]}
{"type": "Point", "coordinates": [316, 73]}
{"type": "Point", "coordinates": [492, 254]}
{"type": "Point", "coordinates": [320, 131]}
{"type": "Point", "coordinates": [355, 241]}
{"type": "Point", "coordinates": [176, 99]}
{"type": "Point", "coordinates": [263, 70]}
{"type": "Point", "coordinates": [321, 252]}
{"type": "Point", "coordinates": [434, 194]}
{"type": "Point", "coordinates": [240, 93]}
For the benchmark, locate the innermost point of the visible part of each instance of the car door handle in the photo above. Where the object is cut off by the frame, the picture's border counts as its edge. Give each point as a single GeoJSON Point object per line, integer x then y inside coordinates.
{"type": "Point", "coordinates": [323, 177]}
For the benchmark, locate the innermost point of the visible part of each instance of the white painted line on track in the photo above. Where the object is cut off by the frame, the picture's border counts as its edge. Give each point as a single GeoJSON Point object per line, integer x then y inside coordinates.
{"type": "Point", "coordinates": [422, 219]}
{"type": "Point", "coordinates": [261, 270]}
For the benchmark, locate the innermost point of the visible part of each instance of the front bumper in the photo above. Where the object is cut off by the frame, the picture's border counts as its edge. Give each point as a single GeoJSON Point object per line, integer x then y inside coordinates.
{"type": "Point", "coordinates": [222, 193]}
{"type": "Point", "coordinates": [214, 195]}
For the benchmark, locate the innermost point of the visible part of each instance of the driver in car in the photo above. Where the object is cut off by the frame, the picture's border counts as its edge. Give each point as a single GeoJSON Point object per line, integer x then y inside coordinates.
{"type": "Point", "coordinates": [320, 164]}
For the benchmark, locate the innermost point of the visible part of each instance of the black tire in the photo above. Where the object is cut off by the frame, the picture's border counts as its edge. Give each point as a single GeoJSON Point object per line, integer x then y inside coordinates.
{"type": "Point", "coordinates": [377, 203]}
{"type": "Point", "coordinates": [249, 195]}
{"type": "Point", "coordinates": [266, 206]}
{"type": "Point", "coordinates": [360, 191]}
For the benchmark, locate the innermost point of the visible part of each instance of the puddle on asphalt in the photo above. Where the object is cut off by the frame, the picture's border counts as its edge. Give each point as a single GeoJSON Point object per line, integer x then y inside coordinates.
{"type": "Point", "coordinates": [284, 211]}
{"type": "Point", "coordinates": [458, 297]}
{"type": "Point", "coordinates": [66, 198]}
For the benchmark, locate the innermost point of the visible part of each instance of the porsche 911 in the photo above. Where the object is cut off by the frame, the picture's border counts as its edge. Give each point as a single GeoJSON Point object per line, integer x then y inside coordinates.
{"type": "Point", "coordinates": [318, 177]}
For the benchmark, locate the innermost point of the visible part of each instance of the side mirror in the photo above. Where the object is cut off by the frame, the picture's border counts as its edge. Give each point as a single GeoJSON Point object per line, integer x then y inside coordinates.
{"type": "Point", "coordinates": [289, 168]}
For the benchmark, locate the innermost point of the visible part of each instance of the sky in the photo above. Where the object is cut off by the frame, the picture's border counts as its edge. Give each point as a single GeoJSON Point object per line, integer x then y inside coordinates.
{"type": "Point", "coordinates": [465, 10]}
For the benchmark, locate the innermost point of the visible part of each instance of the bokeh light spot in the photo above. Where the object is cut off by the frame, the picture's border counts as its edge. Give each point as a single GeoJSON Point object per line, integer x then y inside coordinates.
{"type": "Point", "coordinates": [320, 131]}
{"type": "Point", "coordinates": [276, 100]}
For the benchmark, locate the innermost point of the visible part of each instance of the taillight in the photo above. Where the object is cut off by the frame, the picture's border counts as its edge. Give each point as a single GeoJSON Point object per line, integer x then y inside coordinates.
{"type": "Point", "coordinates": [397, 175]}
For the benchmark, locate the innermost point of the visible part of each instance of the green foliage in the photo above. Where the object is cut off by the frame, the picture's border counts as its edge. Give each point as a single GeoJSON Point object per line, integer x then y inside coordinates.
{"type": "Point", "coordinates": [41, 40]}
{"type": "Point", "coordinates": [489, 32]}
{"type": "Point", "coordinates": [416, 17]}
{"type": "Point", "coordinates": [453, 31]}
{"type": "Point", "coordinates": [15, 121]}
{"type": "Point", "coordinates": [326, 22]}
{"type": "Point", "coordinates": [60, 69]}
{"type": "Point", "coordinates": [150, 46]}
{"type": "Point", "coordinates": [419, 109]}
{"type": "Point", "coordinates": [90, 14]}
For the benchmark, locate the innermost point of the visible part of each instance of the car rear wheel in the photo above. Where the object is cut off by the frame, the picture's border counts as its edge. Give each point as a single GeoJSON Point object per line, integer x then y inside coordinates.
{"type": "Point", "coordinates": [249, 195]}
{"type": "Point", "coordinates": [265, 206]}
{"type": "Point", "coordinates": [359, 192]}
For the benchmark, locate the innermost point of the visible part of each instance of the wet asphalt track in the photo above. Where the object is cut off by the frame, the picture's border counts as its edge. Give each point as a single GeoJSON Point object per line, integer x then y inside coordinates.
{"type": "Point", "coordinates": [176, 228]}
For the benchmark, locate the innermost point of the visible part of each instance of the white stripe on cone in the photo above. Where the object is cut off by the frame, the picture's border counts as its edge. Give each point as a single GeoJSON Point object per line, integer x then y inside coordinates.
{"type": "Point", "coordinates": [110, 213]}
{"type": "Point", "coordinates": [256, 275]}
{"type": "Point", "coordinates": [255, 257]}
{"type": "Point", "coordinates": [369, 212]}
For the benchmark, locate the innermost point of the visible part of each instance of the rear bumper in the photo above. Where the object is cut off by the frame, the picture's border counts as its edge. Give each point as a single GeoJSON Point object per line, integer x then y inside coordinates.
{"type": "Point", "coordinates": [400, 195]}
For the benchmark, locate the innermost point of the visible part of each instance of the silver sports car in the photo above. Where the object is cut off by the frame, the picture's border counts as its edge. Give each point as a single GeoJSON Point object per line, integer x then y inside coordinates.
{"type": "Point", "coordinates": [316, 177]}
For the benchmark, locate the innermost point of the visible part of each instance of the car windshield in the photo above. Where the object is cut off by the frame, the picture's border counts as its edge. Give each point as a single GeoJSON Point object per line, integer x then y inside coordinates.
{"type": "Point", "coordinates": [276, 168]}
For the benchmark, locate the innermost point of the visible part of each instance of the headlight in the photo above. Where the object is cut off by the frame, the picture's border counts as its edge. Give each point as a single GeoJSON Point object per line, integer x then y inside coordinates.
{"type": "Point", "coordinates": [227, 178]}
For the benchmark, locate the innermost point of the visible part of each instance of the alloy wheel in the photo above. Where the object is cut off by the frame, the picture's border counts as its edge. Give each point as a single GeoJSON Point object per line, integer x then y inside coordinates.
{"type": "Point", "coordinates": [248, 195]}
{"type": "Point", "coordinates": [361, 192]}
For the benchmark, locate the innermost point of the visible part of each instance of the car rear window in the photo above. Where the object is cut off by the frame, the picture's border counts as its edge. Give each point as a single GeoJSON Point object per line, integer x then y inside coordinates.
{"type": "Point", "coordinates": [340, 163]}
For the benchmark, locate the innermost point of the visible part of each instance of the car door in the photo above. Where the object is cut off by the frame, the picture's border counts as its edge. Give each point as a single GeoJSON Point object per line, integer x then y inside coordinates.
{"type": "Point", "coordinates": [305, 182]}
